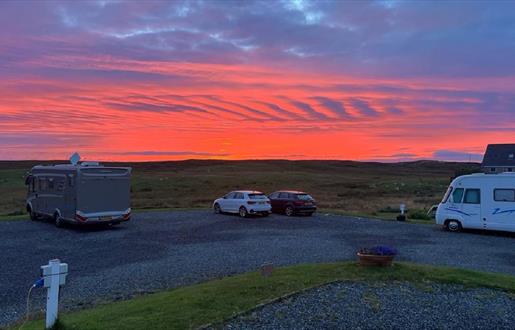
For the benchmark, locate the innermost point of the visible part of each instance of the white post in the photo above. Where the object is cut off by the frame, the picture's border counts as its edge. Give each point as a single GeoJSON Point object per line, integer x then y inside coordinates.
{"type": "Point", "coordinates": [54, 275]}
{"type": "Point", "coordinates": [52, 294]}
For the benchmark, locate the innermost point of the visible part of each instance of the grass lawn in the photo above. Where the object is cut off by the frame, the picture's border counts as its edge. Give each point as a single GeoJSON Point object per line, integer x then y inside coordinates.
{"type": "Point", "coordinates": [218, 300]}
{"type": "Point", "coordinates": [355, 188]}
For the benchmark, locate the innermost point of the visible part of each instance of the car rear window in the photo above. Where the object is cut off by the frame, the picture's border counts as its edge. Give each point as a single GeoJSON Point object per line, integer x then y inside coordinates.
{"type": "Point", "coordinates": [257, 196]}
{"type": "Point", "coordinates": [304, 197]}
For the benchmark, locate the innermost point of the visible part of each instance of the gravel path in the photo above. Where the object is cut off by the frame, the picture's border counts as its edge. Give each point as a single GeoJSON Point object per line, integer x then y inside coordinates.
{"type": "Point", "coordinates": [159, 250]}
{"type": "Point", "coordinates": [385, 306]}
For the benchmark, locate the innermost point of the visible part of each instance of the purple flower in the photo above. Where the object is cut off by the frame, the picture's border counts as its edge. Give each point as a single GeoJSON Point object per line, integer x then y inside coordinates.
{"type": "Point", "coordinates": [380, 250]}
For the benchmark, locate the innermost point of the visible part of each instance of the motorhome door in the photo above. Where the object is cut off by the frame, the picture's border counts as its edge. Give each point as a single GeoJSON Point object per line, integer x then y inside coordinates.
{"type": "Point", "coordinates": [471, 208]}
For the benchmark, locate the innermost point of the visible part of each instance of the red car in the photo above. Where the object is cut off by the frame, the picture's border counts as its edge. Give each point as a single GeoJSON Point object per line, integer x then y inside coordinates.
{"type": "Point", "coordinates": [292, 202]}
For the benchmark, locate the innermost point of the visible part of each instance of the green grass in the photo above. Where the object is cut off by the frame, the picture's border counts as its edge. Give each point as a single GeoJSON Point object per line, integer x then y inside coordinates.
{"type": "Point", "coordinates": [218, 300]}
{"type": "Point", "coordinates": [351, 187]}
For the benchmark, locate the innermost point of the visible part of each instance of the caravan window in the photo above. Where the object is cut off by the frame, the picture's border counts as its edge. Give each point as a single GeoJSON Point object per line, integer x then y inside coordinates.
{"type": "Point", "coordinates": [504, 195]}
{"type": "Point", "coordinates": [457, 195]}
{"type": "Point", "coordinates": [472, 196]}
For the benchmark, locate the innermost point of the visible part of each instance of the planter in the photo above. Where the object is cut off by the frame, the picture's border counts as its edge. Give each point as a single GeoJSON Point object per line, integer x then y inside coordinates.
{"type": "Point", "coordinates": [374, 260]}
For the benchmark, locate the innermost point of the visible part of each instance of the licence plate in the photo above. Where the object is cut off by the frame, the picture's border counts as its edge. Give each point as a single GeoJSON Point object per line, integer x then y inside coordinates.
{"type": "Point", "coordinates": [261, 203]}
{"type": "Point", "coordinates": [106, 218]}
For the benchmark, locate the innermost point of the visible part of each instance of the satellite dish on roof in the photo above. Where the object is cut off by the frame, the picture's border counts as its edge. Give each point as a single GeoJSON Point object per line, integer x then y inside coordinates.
{"type": "Point", "coordinates": [74, 159]}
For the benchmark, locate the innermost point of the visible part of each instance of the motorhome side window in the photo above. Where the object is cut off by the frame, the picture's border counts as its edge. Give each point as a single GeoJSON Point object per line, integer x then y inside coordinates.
{"type": "Point", "coordinates": [472, 196]}
{"type": "Point", "coordinates": [70, 180]}
{"type": "Point", "coordinates": [504, 195]}
{"type": "Point", "coordinates": [457, 195]}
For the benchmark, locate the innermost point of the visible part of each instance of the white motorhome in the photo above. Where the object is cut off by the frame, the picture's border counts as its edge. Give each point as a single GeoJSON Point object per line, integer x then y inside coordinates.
{"type": "Point", "coordinates": [479, 201]}
{"type": "Point", "coordinates": [81, 193]}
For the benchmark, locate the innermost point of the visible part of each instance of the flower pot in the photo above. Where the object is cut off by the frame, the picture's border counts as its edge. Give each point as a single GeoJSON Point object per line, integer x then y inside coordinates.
{"type": "Point", "coordinates": [374, 260]}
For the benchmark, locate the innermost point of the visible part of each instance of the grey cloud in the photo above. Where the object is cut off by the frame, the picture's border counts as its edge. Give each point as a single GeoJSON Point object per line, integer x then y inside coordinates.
{"type": "Point", "coordinates": [336, 107]}
{"type": "Point", "coordinates": [364, 108]}
{"type": "Point", "coordinates": [453, 155]}
{"type": "Point", "coordinates": [170, 153]}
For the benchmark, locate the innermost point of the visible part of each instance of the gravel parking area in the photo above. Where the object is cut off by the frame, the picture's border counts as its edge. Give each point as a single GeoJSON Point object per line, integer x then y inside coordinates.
{"type": "Point", "coordinates": [159, 250]}
{"type": "Point", "coordinates": [385, 306]}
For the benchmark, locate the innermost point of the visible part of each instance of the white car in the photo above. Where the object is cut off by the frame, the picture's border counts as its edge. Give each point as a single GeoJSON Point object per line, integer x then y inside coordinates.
{"type": "Point", "coordinates": [243, 202]}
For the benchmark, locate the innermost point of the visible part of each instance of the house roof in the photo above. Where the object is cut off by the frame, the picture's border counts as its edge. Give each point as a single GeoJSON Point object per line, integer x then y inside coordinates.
{"type": "Point", "coordinates": [499, 155]}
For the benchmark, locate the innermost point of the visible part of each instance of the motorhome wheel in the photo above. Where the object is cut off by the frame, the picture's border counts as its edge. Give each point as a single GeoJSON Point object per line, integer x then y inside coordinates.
{"type": "Point", "coordinates": [58, 220]}
{"type": "Point", "coordinates": [453, 225]}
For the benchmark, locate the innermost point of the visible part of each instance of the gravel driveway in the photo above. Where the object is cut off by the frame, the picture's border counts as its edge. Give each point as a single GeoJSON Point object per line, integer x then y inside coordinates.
{"type": "Point", "coordinates": [385, 306]}
{"type": "Point", "coordinates": [158, 250]}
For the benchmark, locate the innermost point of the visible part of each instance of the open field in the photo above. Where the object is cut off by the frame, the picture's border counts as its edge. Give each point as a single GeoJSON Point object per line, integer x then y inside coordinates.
{"type": "Point", "coordinates": [213, 302]}
{"type": "Point", "coordinates": [345, 186]}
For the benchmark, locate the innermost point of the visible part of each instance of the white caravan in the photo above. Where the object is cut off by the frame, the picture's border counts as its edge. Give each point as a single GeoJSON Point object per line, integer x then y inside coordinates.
{"type": "Point", "coordinates": [479, 201]}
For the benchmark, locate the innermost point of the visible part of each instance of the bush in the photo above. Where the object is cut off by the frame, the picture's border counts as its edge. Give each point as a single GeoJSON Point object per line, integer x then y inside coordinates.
{"type": "Point", "coordinates": [419, 214]}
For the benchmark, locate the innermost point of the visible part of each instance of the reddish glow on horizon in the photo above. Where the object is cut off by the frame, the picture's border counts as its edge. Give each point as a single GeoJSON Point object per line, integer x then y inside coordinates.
{"type": "Point", "coordinates": [109, 104]}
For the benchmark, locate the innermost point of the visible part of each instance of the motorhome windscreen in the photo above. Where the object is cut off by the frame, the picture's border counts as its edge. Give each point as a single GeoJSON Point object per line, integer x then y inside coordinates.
{"type": "Point", "coordinates": [447, 194]}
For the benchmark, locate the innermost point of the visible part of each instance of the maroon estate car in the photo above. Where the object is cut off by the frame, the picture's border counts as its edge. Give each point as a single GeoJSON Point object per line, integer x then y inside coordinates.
{"type": "Point", "coordinates": [292, 202]}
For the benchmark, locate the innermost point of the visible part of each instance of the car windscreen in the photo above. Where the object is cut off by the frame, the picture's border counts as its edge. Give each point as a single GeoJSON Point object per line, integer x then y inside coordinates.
{"type": "Point", "coordinates": [304, 197]}
{"type": "Point", "coordinates": [257, 196]}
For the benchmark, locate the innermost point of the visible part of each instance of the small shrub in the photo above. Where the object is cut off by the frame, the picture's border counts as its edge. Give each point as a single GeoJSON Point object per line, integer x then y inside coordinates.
{"type": "Point", "coordinates": [419, 214]}
{"type": "Point", "coordinates": [389, 209]}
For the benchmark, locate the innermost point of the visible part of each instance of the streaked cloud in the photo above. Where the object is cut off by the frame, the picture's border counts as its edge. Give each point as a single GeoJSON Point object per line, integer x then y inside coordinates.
{"type": "Point", "coordinates": [349, 79]}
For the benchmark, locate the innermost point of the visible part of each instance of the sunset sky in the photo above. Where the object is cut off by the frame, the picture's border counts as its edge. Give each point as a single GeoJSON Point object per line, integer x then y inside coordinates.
{"type": "Point", "coordinates": [361, 80]}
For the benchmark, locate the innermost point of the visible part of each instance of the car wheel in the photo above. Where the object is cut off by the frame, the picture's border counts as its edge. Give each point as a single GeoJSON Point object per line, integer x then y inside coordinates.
{"type": "Point", "coordinates": [243, 212]}
{"type": "Point", "coordinates": [217, 208]}
{"type": "Point", "coordinates": [58, 220]}
{"type": "Point", "coordinates": [288, 211]}
{"type": "Point", "coordinates": [309, 214]}
{"type": "Point", "coordinates": [453, 225]}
